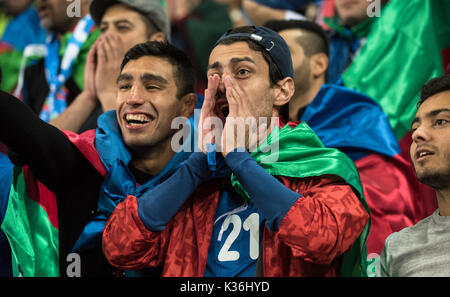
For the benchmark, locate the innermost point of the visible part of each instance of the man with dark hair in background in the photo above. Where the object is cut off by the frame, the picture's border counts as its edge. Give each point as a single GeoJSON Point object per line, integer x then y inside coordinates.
{"type": "Point", "coordinates": [355, 124]}
{"type": "Point", "coordinates": [122, 24]}
{"type": "Point", "coordinates": [423, 249]}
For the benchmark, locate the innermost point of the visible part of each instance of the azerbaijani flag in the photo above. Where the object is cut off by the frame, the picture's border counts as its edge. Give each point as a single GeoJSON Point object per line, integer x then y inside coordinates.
{"type": "Point", "coordinates": [404, 50]}
{"type": "Point", "coordinates": [296, 151]}
{"type": "Point", "coordinates": [5, 182]}
{"type": "Point", "coordinates": [31, 226]}
{"type": "Point", "coordinates": [31, 219]}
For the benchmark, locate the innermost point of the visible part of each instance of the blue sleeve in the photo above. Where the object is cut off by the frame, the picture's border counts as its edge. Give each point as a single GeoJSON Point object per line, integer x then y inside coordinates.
{"type": "Point", "coordinates": [270, 196]}
{"type": "Point", "coordinates": [157, 206]}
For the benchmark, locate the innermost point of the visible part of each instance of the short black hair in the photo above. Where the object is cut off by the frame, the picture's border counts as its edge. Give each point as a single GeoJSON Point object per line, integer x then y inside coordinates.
{"type": "Point", "coordinates": [433, 87]}
{"type": "Point", "coordinates": [313, 42]}
{"type": "Point", "coordinates": [274, 73]}
{"type": "Point", "coordinates": [183, 70]}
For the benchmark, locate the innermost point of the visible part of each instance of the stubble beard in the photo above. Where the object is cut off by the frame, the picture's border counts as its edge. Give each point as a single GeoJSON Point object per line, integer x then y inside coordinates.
{"type": "Point", "coordinates": [438, 180]}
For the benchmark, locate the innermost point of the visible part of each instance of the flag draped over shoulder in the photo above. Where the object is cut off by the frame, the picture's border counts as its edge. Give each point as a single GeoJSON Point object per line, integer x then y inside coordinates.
{"type": "Point", "coordinates": [31, 219]}
{"type": "Point", "coordinates": [31, 226]}
{"type": "Point", "coordinates": [298, 152]}
{"type": "Point", "coordinates": [402, 52]}
{"type": "Point", "coordinates": [5, 183]}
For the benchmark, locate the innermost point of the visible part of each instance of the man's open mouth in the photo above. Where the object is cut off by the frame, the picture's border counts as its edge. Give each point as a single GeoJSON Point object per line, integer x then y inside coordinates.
{"type": "Point", "coordinates": [222, 108]}
{"type": "Point", "coordinates": [136, 120]}
{"type": "Point", "coordinates": [422, 154]}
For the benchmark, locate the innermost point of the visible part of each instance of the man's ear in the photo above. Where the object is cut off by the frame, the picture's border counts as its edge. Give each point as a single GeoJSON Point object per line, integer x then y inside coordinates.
{"type": "Point", "coordinates": [158, 36]}
{"type": "Point", "coordinates": [318, 64]}
{"type": "Point", "coordinates": [188, 103]}
{"type": "Point", "coordinates": [284, 91]}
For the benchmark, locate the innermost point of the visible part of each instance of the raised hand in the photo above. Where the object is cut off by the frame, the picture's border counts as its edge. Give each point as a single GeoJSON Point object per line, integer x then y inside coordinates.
{"type": "Point", "coordinates": [210, 126]}
{"type": "Point", "coordinates": [110, 53]}
{"type": "Point", "coordinates": [242, 124]}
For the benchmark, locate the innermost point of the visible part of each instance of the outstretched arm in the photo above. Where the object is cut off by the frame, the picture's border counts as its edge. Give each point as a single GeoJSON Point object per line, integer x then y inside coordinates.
{"type": "Point", "coordinates": [53, 158]}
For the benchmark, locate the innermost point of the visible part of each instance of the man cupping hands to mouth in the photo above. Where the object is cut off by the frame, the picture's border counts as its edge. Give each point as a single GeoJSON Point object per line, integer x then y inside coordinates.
{"type": "Point", "coordinates": [246, 91]}
{"type": "Point", "coordinates": [228, 211]}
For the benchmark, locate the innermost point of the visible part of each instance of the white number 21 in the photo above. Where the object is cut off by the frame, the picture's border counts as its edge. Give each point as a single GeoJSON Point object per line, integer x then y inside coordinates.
{"type": "Point", "coordinates": [250, 224]}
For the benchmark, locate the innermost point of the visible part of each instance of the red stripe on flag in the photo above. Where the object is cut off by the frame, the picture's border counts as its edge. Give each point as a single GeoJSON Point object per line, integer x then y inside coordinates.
{"type": "Point", "coordinates": [446, 60]}
{"type": "Point", "coordinates": [85, 142]}
{"type": "Point", "coordinates": [395, 197]}
{"type": "Point", "coordinates": [42, 195]}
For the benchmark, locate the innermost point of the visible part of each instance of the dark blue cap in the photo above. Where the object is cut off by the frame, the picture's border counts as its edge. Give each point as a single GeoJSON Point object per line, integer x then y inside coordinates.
{"type": "Point", "coordinates": [274, 45]}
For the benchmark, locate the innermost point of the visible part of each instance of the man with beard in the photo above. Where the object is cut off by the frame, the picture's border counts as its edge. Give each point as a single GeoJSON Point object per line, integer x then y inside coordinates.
{"type": "Point", "coordinates": [423, 249]}
{"type": "Point", "coordinates": [230, 210]}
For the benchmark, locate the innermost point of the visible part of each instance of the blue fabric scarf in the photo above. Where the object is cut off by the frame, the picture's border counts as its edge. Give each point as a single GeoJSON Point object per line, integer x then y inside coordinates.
{"type": "Point", "coordinates": [119, 180]}
{"type": "Point", "coordinates": [350, 121]}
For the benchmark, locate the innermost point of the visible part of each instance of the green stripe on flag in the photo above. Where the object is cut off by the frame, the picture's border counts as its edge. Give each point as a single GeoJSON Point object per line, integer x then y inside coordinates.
{"type": "Point", "coordinates": [402, 52]}
{"type": "Point", "coordinates": [32, 237]}
{"type": "Point", "coordinates": [298, 152]}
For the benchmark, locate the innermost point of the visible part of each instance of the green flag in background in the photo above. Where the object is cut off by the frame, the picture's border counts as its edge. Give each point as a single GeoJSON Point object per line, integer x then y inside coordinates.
{"type": "Point", "coordinates": [10, 60]}
{"type": "Point", "coordinates": [402, 52]}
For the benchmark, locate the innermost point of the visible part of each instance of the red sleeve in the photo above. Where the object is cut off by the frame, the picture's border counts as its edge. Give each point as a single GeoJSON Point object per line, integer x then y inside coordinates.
{"type": "Point", "coordinates": [325, 222]}
{"type": "Point", "coordinates": [127, 243]}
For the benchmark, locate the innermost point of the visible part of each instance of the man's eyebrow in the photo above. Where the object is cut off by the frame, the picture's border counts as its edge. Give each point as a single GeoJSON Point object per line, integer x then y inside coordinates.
{"type": "Point", "coordinates": [217, 65]}
{"type": "Point", "coordinates": [437, 111]}
{"type": "Point", "coordinates": [154, 77]}
{"type": "Point", "coordinates": [431, 114]}
{"type": "Point", "coordinates": [238, 60]}
{"type": "Point", "coordinates": [115, 22]}
{"type": "Point", "coordinates": [118, 22]}
{"type": "Point", "coordinates": [124, 76]}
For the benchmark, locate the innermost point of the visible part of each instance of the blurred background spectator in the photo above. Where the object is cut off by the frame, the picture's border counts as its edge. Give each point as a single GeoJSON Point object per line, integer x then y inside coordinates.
{"type": "Point", "coordinates": [19, 27]}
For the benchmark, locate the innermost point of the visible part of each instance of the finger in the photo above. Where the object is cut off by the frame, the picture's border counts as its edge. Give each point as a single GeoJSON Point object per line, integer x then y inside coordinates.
{"type": "Point", "coordinates": [231, 96]}
{"type": "Point", "coordinates": [213, 84]}
{"type": "Point", "coordinates": [90, 59]}
{"type": "Point", "coordinates": [210, 92]}
{"type": "Point", "coordinates": [108, 49]}
{"type": "Point", "coordinates": [113, 45]}
{"type": "Point", "coordinates": [101, 55]}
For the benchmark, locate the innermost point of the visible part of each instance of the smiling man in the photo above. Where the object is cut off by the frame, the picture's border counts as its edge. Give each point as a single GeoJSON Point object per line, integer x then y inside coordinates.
{"type": "Point", "coordinates": [422, 249]}
{"type": "Point", "coordinates": [226, 212]}
{"type": "Point", "coordinates": [73, 182]}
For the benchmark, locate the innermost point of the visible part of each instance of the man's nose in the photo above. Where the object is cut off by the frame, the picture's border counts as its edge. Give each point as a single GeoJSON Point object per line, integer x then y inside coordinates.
{"type": "Point", "coordinates": [135, 96]}
{"type": "Point", "coordinates": [421, 134]}
{"type": "Point", "coordinates": [221, 89]}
